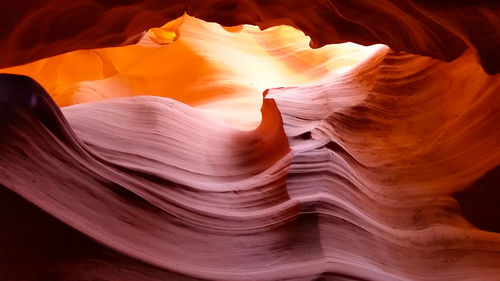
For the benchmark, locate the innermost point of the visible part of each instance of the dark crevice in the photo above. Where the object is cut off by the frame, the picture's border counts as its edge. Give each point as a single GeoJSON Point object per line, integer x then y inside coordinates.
{"type": "Point", "coordinates": [480, 203]}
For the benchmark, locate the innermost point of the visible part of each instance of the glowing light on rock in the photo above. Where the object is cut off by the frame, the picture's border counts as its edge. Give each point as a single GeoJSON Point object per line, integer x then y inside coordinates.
{"type": "Point", "coordinates": [135, 150]}
{"type": "Point", "coordinates": [167, 33]}
{"type": "Point", "coordinates": [221, 72]}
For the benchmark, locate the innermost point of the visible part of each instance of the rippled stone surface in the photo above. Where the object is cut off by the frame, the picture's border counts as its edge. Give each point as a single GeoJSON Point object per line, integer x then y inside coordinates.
{"type": "Point", "coordinates": [203, 152]}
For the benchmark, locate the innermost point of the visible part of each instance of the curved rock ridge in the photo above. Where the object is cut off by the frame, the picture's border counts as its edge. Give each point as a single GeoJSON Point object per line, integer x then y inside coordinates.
{"type": "Point", "coordinates": [388, 147]}
{"type": "Point", "coordinates": [31, 30]}
{"type": "Point", "coordinates": [162, 177]}
{"type": "Point", "coordinates": [354, 178]}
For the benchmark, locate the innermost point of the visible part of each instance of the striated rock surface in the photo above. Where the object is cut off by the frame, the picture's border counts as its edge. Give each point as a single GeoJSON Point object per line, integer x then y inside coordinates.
{"type": "Point", "coordinates": [201, 152]}
{"type": "Point", "coordinates": [358, 182]}
{"type": "Point", "coordinates": [389, 147]}
{"type": "Point", "coordinates": [199, 185]}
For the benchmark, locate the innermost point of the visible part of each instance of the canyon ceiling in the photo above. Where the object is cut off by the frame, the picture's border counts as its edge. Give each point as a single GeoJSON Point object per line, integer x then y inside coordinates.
{"type": "Point", "coordinates": [249, 140]}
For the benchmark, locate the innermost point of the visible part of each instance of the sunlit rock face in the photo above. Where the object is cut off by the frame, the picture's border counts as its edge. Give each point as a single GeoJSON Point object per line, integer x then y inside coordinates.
{"type": "Point", "coordinates": [197, 63]}
{"type": "Point", "coordinates": [192, 151]}
{"type": "Point", "coordinates": [440, 29]}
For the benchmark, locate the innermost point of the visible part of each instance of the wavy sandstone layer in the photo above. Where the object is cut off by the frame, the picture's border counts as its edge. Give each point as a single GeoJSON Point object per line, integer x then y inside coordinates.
{"type": "Point", "coordinates": [192, 151]}
{"type": "Point", "coordinates": [33, 30]}
{"type": "Point", "coordinates": [357, 176]}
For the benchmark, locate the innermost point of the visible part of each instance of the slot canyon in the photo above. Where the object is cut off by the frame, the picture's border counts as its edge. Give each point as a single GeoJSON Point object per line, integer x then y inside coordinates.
{"type": "Point", "coordinates": [157, 140]}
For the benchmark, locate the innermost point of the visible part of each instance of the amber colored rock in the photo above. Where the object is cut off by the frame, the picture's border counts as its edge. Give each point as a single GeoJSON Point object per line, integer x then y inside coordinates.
{"type": "Point", "coordinates": [190, 151]}
{"type": "Point", "coordinates": [358, 182]}
{"type": "Point", "coordinates": [197, 63]}
{"type": "Point", "coordinates": [33, 30]}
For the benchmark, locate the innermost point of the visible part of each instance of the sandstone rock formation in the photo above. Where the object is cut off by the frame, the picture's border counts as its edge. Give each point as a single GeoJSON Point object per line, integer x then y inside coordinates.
{"type": "Point", "coordinates": [440, 29]}
{"type": "Point", "coordinates": [199, 152]}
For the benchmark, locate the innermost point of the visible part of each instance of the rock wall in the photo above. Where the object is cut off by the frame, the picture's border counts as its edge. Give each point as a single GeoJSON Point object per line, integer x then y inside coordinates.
{"type": "Point", "coordinates": [364, 164]}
